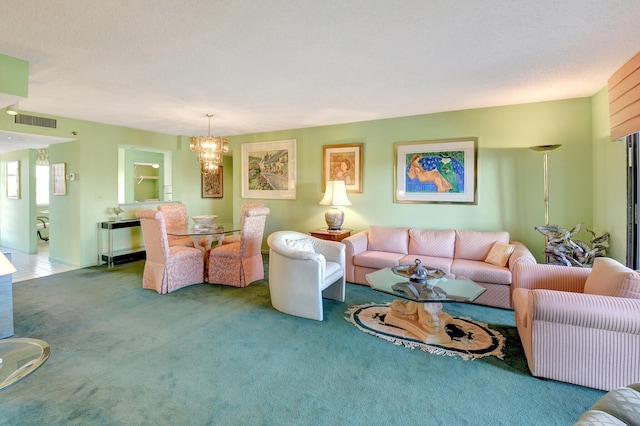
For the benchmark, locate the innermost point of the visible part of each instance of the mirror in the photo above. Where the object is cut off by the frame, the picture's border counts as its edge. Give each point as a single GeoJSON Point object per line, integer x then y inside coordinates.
{"type": "Point", "coordinates": [144, 174]}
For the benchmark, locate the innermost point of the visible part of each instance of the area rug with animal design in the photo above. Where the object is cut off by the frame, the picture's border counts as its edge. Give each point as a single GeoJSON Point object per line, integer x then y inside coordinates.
{"type": "Point", "coordinates": [470, 339]}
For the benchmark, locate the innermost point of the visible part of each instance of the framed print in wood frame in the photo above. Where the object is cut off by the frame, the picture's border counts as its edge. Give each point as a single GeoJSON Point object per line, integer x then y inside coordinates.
{"type": "Point", "coordinates": [13, 179]}
{"type": "Point", "coordinates": [343, 162]}
{"type": "Point", "coordinates": [58, 172]}
{"type": "Point", "coordinates": [439, 171]}
{"type": "Point", "coordinates": [212, 184]}
{"type": "Point", "coordinates": [268, 170]}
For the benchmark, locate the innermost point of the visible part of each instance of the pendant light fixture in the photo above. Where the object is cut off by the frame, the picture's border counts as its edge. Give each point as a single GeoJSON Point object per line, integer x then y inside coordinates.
{"type": "Point", "coordinates": [209, 150]}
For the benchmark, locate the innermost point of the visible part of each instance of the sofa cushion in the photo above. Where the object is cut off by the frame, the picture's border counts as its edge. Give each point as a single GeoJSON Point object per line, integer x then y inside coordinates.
{"type": "Point", "coordinates": [393, 240]}
{"type": "Point", "coordinates": [301, 244]}
{"type": "Point", "coordinates": [432, 243]}
{"type": "Point", "coordinates": [475, 245]}
{"type": "Point", "coordinates": [377, 259]}
{"type": "Point", "coordinates": [609, 277]}
{"type": "Point", "coordinates": [478, 270]}
{"type": "Point", "coordinates": [499, 253]}
{"type": "Point", "coordinates": [442, 263]}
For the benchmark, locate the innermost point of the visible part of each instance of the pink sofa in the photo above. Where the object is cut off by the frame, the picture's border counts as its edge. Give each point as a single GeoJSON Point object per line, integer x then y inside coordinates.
{"type": "Point", "coordinates": [457, 253]}
{"type": "Point", "coordinates": [580, 325]}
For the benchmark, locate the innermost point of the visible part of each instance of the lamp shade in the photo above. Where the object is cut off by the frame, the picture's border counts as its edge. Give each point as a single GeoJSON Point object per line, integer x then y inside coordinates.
{"type": "Point", "coordinates": [6, 267]}
{"type": "Point", "coordinates": [335, 194]}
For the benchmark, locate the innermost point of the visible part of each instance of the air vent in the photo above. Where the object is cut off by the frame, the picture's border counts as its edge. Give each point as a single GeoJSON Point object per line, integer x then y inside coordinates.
{"type": "Point", "coordinates": [32, 120]}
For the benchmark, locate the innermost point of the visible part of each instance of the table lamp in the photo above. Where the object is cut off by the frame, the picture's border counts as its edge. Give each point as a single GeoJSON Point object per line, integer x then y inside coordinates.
{"type": "Point", "coordinates": [335, 195]}
{"type": "Point", "coordinates": [6, 268]}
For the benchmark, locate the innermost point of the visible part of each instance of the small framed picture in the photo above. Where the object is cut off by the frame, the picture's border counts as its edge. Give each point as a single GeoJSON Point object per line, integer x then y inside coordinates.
{"type": "Point", "coordinates": [212, 184]}
{"type": "Point", "coordinates": [343, 162]}
{"type": "Point", "coordinates": [58, 172]}
{"type": "Point", "coordinates": [441, 171]}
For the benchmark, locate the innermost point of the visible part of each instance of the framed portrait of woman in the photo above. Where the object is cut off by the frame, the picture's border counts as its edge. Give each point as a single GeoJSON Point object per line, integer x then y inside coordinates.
{"type": "Point", "coordinates": [343, 162]}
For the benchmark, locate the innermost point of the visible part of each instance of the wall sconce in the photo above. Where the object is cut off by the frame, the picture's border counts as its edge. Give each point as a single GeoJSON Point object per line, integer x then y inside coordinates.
{"type": "Point", "coordinates": [335, 195]}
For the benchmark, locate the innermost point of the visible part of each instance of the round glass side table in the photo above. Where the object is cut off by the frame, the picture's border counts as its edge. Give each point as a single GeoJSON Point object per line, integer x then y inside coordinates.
{"type": "Point", "coordinates": [20, 357]}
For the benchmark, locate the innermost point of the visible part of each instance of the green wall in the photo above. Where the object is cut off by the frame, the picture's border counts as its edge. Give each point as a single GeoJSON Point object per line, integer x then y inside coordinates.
{"type": "Point", "coordinates": [510, 184]}
{"type": "Point", "coordinates": [609, 180]}
{"type": "Point", "coordinates": [14, 79]}
{"type": "Point", "coordinates": [510, 175]}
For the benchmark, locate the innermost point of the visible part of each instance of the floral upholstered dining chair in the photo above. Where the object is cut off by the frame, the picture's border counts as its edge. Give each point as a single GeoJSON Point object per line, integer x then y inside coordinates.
{"type": "Point", "coordinates": [240, 263]}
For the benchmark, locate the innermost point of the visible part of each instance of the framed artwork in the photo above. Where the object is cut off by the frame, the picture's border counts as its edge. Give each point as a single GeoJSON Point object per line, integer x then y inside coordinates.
{"type": "Point", "coordinates": [343, 162]}
{"type": "Point", "coordinates": [58, 171]}
{"type": "Point", "coordinates": [212, 184]}
{"type": "Point", "coordinates": [13, 179]}
{"type": "Point", "coordinates": [269, 170]}
{"type": "Point", "coordinates": [440, 171]}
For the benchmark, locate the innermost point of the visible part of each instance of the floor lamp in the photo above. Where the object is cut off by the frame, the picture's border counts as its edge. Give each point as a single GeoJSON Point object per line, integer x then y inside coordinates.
{"type": "Point", "coordinates": [545, 150]}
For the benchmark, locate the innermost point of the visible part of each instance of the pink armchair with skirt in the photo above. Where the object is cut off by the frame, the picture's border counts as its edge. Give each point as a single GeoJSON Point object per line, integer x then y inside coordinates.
{"type": "Point", "coordinates": [167, 268]}
{"type": "Point", "coordinates": [239, 264]}
{"type": "Point", "coordinates": [580, 325]}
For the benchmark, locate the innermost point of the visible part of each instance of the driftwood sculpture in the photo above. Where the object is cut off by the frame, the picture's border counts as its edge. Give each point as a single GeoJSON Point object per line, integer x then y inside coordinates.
{"type": "Point", "coordinates": [564, 251]}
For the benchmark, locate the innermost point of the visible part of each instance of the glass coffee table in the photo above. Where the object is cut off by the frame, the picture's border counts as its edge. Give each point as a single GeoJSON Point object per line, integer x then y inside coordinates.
{"type": "Point", "coordinates": [421, 314]}
{"type": "Point", "coordinates": [20, 357]}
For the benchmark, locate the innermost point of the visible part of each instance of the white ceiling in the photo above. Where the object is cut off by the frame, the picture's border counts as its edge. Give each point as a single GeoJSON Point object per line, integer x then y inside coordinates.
{"type": "Point", "coordinates": [279, 64]}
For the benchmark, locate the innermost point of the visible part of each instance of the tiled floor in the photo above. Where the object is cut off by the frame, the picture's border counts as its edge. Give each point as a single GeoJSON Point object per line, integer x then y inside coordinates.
{"type": "Point", "coordinates": [35, 265]}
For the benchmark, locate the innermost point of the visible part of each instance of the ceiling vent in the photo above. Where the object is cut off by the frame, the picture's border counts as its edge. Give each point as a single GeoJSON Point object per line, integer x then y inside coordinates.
{"type": "Point", "coordinates": [32, 120]}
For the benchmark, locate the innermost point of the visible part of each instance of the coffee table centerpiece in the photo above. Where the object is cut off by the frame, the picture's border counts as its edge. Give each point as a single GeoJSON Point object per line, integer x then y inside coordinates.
{"type": "Point", "coordinates": [205, 222]}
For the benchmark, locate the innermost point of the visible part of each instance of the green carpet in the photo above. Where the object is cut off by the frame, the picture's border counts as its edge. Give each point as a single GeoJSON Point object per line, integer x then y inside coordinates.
{"type": "Point", "coordinates": [216, 355]}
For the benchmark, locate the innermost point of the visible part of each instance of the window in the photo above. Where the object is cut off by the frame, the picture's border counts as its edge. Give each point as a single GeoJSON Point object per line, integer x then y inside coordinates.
{"type": "Point", "coordinates": [42, 185]}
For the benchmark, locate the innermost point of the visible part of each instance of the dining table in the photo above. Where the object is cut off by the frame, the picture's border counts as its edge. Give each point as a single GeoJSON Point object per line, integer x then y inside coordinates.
{"type": "Point", "coordinates": [205, 238]}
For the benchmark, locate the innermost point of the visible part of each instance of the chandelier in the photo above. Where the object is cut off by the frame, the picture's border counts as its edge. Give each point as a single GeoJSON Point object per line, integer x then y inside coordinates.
{"type": "Point", "coordinates": [209, 150]}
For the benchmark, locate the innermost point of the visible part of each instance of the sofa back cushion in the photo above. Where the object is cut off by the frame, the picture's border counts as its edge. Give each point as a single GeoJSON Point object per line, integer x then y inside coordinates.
{"type": "Point", "coordinates": [393, 240]}
{"type": "Point", "coordinates": [475, 245]}
{"type": "Point", "coordinates": [608, 277]}
{"type": "Point", "coordinates": [432, 243]}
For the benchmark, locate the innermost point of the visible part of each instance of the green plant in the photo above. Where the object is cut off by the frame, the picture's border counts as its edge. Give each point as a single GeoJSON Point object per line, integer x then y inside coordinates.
{"type": "Point", "coordinates": [564, 251]}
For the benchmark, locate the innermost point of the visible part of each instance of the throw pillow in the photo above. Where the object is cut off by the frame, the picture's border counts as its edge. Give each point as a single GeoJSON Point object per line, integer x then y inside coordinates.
{"type": "Point", "coordinates": [303, 244]}
{"type": "Point", "coordinates": [500, 253]}
{"type": "Point", "coordinates": [609, 277]}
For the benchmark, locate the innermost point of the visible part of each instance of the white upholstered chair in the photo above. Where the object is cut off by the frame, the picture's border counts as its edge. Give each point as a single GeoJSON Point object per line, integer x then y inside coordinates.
{"type": "Point", "coordinates": [167, 268]}
{"type": "Point", "coordinates": [303, 270]}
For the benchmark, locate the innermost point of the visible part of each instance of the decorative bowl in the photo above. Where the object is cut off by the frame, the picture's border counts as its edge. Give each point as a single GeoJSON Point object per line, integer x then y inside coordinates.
{"type": "Point", "coordinates": [417, 273]}
{"type": "Point", "coordinates": [204, 221]}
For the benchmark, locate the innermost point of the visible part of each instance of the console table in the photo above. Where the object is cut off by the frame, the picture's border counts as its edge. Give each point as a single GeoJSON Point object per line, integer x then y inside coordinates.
{"type": "Point", "coordinates": [112, 257]}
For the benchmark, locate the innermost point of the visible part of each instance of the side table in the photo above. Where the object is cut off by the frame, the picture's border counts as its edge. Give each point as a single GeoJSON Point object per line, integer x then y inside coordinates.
{"type": "Point", "coordinates": [326, 234]}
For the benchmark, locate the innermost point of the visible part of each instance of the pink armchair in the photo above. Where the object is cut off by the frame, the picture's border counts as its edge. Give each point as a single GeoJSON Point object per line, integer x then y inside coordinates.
{"type": "Point", "coordinates": [240, 263]}
{"type": "Point", "coordinates": [580, 325]}
{"type": "Point", "coordinates": [236, 238]}
{"type": "Point", "coordinates": [176, 219]}
{"type": "Point", "coordinates": [167, 268]}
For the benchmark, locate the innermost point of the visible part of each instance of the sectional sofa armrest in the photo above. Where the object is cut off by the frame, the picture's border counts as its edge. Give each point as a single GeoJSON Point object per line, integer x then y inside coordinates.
{"type": "Point", "coordinates": [521, 254]}
{"type": "Point", "coordinates": [616, 314]}
{"type": "Point", "coordinates": [551, 277]}
{"type": "Point", "coordinates": [354, 244]}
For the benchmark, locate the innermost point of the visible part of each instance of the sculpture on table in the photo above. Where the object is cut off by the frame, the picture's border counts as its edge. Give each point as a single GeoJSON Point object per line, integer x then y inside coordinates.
{"type": "Point", "coordinates": [565, 251]}
{"type": "Point", "coordinates": [117, 210]}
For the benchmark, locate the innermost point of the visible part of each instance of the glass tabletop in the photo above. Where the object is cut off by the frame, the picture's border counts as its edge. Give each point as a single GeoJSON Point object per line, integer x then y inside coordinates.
{"type": "Point", "coordinates": [436, 290]}
{"type": "Point", "coordinates": [20, 357]}
{"type": "Point", "coordinates": [220, 228]}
